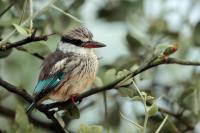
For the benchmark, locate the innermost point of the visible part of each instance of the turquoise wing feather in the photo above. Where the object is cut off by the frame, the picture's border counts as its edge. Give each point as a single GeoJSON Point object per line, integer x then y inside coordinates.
{"type": "Point", "coordinates": [44, 86]}
{"type": "Point", "coordinates": [47, 84]}
{"type": "Point", "coordinates": [52, 74]}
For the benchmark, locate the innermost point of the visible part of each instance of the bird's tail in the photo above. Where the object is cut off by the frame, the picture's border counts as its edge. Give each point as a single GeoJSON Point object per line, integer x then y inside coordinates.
{"type": "Point", "coordinates": [30, 108]}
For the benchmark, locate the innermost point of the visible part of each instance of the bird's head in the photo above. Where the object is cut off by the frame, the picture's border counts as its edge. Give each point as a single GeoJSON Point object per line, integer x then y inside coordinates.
{"type": "Point", "coordinates": [78, 39]}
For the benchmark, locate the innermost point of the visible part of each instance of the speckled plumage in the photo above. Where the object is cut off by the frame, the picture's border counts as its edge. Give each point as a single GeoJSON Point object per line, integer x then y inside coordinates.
{"type": "Point", "coordinates": [79, 73]}
{"type": "Point", "coordinates": [80, 33]}
{"type": "Point", "coordinates": [67, 71]}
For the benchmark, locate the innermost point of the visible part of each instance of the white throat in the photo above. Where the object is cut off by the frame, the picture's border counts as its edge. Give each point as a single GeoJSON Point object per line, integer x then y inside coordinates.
{"type": "Point", "coordinates": [67, 48]}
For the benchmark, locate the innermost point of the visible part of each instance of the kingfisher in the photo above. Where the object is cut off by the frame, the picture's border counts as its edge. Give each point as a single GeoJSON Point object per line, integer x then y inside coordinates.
{"type": "Point", "coordinates": [69, 70]}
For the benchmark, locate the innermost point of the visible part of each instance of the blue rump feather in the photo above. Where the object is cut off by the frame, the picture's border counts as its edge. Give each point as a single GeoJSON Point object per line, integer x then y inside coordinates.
{"type": "Point", "coordinates": [49, 83]}
{"type": "Point", "coordinates": [44, 86]}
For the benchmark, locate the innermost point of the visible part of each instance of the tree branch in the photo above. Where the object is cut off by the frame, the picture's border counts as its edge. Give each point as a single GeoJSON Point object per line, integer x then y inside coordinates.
{"type": "Point", "coordinates": [44, 108]}
{"type": "Point", "coordinates": [23, 42]}
{"type": "Point", "coordinates": [9, 113]}
{"type": "Point", "coordinates": [20, 92]}
{"type": "Point", "coordinates": [113, 85]}
{"type": "Point", "coordinates": [18, 44]}
{"type": "Point", "coordinates": [27, 97]}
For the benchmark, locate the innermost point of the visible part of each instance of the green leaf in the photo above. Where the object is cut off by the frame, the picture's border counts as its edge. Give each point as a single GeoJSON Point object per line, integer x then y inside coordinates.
{"type": "Point", "coordinates": [134, 44]}
{"type": "Point", "coordinates": [153, 109]}
{"type": "Point", "coordinates": [138, 98]}
{"type": "Point", "coordinates": [71, 112]}
{"type": "Point", "coordinates": [21, 121]}
{"type": "Point", "coordinates": [3, 95]}
{"type": "Point", "coordinates": [134, 67]}
{"type": "Point", "coordinates": [196, 34]}
{"type": "Point", "coordinates": [165, 49]}
{"type": "Point", "coordinates": [90, 129]}
{"type": "Point", "coordinates": [98, 82]}
{"type": "Point", "coordinates": [126, 91]}
{"type": "Point", "coordinates": [38, 47]}
{"type": "Point", "coordinates": [119, 10]}
{"type": "Point", "coordinates": [122, 73]}
{"type": "Point", "coordinates": [20, 29]}
{"type": "Point", "coordinates": [127, 80]}
{"type": "Point", "coordinates": [6, 53]}
{"type": "Point", "coordinates": [109, 76]}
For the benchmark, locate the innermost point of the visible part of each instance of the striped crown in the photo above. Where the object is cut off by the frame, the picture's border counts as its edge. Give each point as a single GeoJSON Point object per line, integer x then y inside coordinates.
{"type": "Point", "coordinates": [77, 36]}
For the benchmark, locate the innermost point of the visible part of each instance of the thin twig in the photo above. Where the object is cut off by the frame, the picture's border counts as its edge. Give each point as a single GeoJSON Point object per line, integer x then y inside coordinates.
{"type": "Point", "coordinates": [31, 15]}
{"type": "Point", "coordinates": [27, 21]}
{"type": "Point", "coordinates": [23, 42]}
{"type": "Point", "coordinates": [23, 12]}
{"type": "Point", "coordinates": [1, 14]}
{"type": "Point", "coordinates": [67, 14]}
{"type": "Point", "coordinates": [145, 107]}
{"type": "Point", "coordinates": [177, 117]}
{"type": "Point", "coordinates": [162, 124]}
{"type": "Point", "coordinates": [132, 122]}
{"type": "Point", "coordinates": [105, 110]}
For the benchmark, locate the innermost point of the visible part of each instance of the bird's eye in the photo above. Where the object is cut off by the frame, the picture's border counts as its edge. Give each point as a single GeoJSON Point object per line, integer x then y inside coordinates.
{"type": "Point", "coordinates": [77, 42]}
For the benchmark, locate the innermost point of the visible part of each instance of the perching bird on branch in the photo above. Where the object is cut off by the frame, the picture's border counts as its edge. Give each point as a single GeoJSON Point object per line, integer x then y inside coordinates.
{"type": "Point", "coordinates": [69, 70]}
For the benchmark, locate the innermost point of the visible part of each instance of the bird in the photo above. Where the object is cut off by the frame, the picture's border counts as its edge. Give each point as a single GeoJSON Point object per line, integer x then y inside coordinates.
{"type": "Point", "coordinates": [69, 70]}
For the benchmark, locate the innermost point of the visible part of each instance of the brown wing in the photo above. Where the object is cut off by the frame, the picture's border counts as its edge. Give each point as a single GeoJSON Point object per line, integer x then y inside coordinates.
{"type": "Point", "coordinates": [53, 72]}
{"type": "Point", "coordinates": [48, 66]}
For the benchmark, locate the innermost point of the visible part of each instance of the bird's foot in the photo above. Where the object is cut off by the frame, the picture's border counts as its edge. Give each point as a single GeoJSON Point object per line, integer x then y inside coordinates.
{"type": "Point", "coordinates": [73, 98]}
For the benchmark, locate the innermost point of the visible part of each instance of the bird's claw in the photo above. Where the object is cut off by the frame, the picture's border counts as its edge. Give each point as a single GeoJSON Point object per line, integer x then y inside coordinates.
{"type": "Point", "coordinates": [73, 98]}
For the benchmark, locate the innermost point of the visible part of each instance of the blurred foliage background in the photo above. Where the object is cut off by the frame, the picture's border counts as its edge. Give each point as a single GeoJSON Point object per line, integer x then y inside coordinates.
{"type": "Point", "coordinates": [132, 29]}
